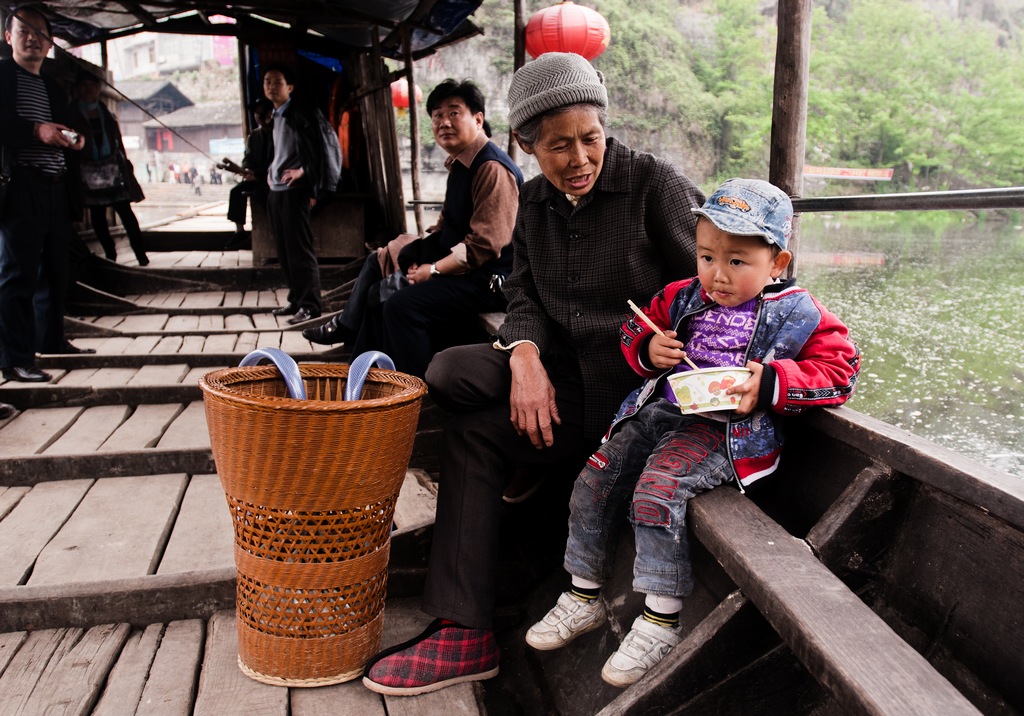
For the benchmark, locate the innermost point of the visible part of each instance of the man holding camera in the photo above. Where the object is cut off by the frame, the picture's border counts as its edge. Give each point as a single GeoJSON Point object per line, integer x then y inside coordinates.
{"type": "Point", "coordinates": [35, 223]}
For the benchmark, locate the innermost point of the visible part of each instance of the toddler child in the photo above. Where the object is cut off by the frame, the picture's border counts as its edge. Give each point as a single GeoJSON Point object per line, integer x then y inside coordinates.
{"type": "Point", "coordinates": [735, 312]}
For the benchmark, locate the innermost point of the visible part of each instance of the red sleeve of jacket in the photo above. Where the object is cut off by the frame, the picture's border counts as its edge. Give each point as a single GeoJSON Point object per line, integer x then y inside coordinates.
{"type": "Point", "coordinates": [634, 333]}
{"type": "Point", "coordinates": [823, 374]}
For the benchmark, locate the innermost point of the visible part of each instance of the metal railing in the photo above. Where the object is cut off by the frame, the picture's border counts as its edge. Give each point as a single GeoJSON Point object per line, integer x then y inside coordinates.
{"type": "Point", "coordinates": [1008, 198]}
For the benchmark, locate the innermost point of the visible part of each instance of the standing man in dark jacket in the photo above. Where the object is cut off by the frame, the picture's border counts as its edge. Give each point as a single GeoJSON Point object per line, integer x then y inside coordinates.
{"type": "Point", "coordinates": [35, 224]}
{"type": "Point", "coordinates": [305, 167]}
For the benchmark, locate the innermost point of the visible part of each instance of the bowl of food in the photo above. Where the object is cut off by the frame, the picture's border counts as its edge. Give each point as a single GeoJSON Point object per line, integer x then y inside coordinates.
{"type": "Point", "coordinates": [703, 390]}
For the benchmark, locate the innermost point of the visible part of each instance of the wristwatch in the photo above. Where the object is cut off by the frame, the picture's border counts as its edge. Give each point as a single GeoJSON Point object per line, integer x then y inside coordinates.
{"type": "Point", "coordinates": [434, 271]}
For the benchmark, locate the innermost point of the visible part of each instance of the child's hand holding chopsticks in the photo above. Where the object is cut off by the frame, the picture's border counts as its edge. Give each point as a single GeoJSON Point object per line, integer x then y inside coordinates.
{"type": "Point", "coordinates": [663, 350]}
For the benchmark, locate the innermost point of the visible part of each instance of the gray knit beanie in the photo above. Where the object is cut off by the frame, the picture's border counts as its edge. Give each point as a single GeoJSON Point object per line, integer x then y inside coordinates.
{"type": "Point", "coordinates": [555, 79]}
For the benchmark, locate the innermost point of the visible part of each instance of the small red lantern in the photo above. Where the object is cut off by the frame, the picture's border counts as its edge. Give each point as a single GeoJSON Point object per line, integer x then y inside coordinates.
{"type": "Point", "coordinates": [567, 28]}
{"type": "Point", "coordinates": [400, 93]}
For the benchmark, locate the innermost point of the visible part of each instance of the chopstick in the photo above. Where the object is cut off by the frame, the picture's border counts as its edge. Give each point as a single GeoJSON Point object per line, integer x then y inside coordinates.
{"type": "Point", "coordinates": [649, 322]}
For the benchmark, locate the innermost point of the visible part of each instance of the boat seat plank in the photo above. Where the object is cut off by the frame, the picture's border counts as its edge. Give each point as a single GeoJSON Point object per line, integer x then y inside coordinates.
{"type": "Point", "coordinates": [203, 299]}
{"type": "Point", "coordinates": [220, 343]}
{"type": "Point", "coordinates": [10, 497]}
{"type": "Point", "coordinates": [142, 345]}
{"type": "Point", "coordinates": [115, 346]}
{"type": "Point", "coordinates": [81, 376]}
{"type": "Point", "coordinates": [188, 430]}
{"type": "Point", "coordinates": [171, 685]}
{"type": "Point", "coordinates": [143, 429]}
{"type": "Point", "coordinates": [223, 689]}
{"type": "Point", "coordinates": [37, 517]}
{"type": "Point", "coordinates": [233, 298]}
{"type": "Point", "coordinates": [9, 645]}
{"type": "Point", "coordinates": [211, 323]}
{"type": "Point", "coordinates": [168, 344]}
{"type": "Point", "coordinates": [202, 537]}
{"type": "Point", "coordinates": [118, 530]}
{"type": "Point", "coordinates": [26, 667]}
{"type": "Point", "coordinates": [175, 299]}
{"type": "Point", "coordinates": [144, 323]}
{"type": "Point", "coordinates": [846, 647]}
{"type": "Point", "coordinates": [192, 344]}
{"type": "Point", "coordinates": [92, 428]}
{"type": "Point", "coordinates": [247, 342]}
{"type": "Point", "coordinates": [251, 298]}
{"type": "Point", "coordinates": [348, 699]}
{"type": "Point", "coordinates": [238, 322]}
{"type": "Point", "coordinates": [34, 430]}
{"type": "Point", "coordinates": [128, 676]}
{"type": "Point", "coordinates": [160, 374]}
{"type": "Point", "coordinates": [107, 321]}
{"type": "Point", "coordinates": [265, 322]}
{"type": "Point", "coordinates": [72, 677]}
{"type": "Point", "coordinates": [182, 323]}
{"type": "Point", "coordinates": [112, 377]}
{"type": "Point", "coordinates": [293, 342]}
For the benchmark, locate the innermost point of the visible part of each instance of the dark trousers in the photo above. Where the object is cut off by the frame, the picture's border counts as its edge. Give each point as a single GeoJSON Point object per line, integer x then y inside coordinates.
{"type": "Point", "coordinates": [365, 295]}
{"type": "Point", "coordinates": [35, 233]}
{"type": "Point", "coordinates": [481, 452]}
{"type": "Point", "coordinates": [418, 320]}
{"type": "Point", "coordinates": [288, 212]}
{"type": "Point", "coordinates": [240, 193]}
{"type": "Point", "coordinates": [98, 217]}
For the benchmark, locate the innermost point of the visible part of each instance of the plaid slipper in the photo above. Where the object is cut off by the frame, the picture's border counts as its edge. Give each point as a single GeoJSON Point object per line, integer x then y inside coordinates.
{"type": "Point", "coordinates": [443, 655]}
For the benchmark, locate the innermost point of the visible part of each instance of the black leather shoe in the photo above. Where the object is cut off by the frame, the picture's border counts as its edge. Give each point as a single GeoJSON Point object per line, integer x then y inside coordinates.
{"type": "Point", "coordinates": [70, 349]}
{"type": "Point", "coordinates": [7, 410]}
{"type": "Point", "coordinates": [26, 375]}
{"type": "Point", "coordinates": [303, 315]}
{"type": "Point", "coordinates": [288, 310]}
{"type": "Point", "coordinates": [329, 333]}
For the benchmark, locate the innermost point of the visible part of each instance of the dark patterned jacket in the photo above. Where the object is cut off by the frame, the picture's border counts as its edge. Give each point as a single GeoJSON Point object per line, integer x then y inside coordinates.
{"type": "Point", "coordinates": [575, 268]}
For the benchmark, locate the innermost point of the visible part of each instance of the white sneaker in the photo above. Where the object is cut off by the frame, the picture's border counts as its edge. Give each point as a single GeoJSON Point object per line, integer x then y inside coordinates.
{"type": "Point", "coordinates": [644, 646]}
{"type": "Point", "coordinates": [569, 618]}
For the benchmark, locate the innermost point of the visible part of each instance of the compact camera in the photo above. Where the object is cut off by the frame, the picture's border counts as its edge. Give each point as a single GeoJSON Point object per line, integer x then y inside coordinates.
{"type": "Point", "coordinates": [69, 135]}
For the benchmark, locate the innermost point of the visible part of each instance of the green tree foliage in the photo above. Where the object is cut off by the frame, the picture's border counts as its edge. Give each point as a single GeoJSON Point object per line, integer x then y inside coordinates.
{"type": "Point", "coordinates": [896, 85]}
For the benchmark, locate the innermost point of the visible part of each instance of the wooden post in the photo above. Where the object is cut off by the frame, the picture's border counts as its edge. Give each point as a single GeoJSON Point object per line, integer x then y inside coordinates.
{"type": "Point", "coordinates": [243, 80]}
{"type": "Point", "coordinates": [518, 60]}
{"type": "Point", "coordinates": [414, 132]}
{"type": "Point", "coordinates": [789, 110]}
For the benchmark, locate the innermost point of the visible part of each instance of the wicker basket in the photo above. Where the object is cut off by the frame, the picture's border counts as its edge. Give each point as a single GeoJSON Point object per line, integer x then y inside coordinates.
{"type": "Point", "coordinates": [311, 486]}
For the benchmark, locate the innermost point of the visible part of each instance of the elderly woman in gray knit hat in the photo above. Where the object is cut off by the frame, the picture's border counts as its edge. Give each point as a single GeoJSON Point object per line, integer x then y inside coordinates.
{"type": "Point", "coordinates": [602, 225]}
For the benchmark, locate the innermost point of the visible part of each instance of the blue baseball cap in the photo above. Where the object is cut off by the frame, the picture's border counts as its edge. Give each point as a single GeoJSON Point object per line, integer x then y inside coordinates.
{"type": "Point", "coordinates": [751, 207]}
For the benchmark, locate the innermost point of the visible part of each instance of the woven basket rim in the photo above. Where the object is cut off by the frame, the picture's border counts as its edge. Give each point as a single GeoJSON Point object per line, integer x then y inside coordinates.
{"type": "Point", "coordinates": [212, 384]}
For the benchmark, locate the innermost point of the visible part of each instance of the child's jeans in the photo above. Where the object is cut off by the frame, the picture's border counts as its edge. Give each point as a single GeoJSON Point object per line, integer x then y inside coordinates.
{"type": "Point", "coordinates": [654, 463]}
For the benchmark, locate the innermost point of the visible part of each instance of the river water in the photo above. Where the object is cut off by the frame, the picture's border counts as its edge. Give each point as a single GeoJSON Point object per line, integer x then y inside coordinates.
{"type": "Point", "coordinates": [937, 310]}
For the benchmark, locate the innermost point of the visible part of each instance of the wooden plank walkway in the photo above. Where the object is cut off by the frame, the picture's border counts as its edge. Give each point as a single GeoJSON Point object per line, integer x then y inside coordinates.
{"type": "Point", "coordinates": [79, 528]}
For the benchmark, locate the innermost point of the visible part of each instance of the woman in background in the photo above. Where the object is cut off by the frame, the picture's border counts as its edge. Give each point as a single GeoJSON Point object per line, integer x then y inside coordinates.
{"type": "Point", "coordinates": [108, 179]}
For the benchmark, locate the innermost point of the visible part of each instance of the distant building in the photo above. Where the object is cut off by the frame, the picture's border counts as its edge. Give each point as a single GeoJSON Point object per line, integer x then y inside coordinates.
{"type": "Point", "coordinates": [157, 97]}
{"type": "Point", "coordinates": [199, 124]}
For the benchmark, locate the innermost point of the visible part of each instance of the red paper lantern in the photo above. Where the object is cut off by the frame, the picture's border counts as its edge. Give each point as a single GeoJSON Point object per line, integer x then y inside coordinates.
{"type": "Point", "coordinates": [400, 93]}
{"type": "Point", "coordinates": [567, 28]}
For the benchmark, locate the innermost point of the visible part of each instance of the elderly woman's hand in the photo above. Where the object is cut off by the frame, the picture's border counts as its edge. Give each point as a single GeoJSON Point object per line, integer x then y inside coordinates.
{"type": "Point", "coordinates": [532, 399]}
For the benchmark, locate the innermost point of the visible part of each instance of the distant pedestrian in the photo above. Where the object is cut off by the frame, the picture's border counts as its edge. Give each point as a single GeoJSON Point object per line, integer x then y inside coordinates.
{"type": "Point", "coordinates": [305, 168]}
